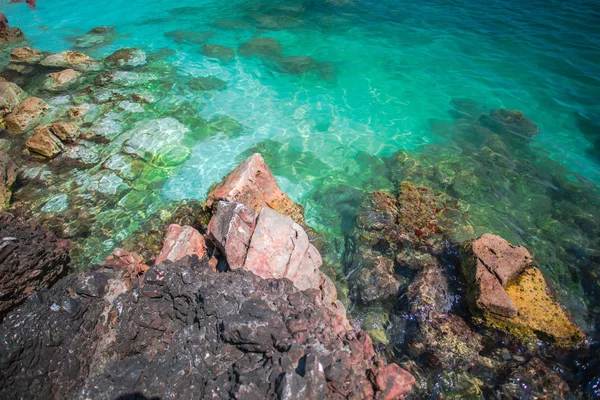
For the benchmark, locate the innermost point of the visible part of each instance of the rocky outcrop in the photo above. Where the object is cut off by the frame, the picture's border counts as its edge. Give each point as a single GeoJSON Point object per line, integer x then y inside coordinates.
{"type": "Point", "coordinates": [26, 115]}
{"type": "Point", "coordinates": [510, 293]}
{"type": "Point", "coordinates": [62, 80]}
{"type": "Point", "coordinates": [130, 57]}
{"type": "Point", "coordinates": [11, 34]}
{"type": "Point", "coordinates": [8, 175]}
{"type": "Point", "coordinates": [31, 259]}
{"type": "Point", "coordinates": [187, 331]}
{"type": "Point", "coordinates": [10, 96]}
{"type": "Point", "coordinates": [26, 55]}
{"type": "Point", "coordinates": [71, 59]}
{"type": "Point", "coordinates": [181, 241]}
{"type": "Point", "coordinates": [252, 183]}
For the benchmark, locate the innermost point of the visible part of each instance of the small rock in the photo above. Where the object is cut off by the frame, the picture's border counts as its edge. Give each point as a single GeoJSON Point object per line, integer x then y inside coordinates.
{"type": "Point", "coordinates": [71, 59]}
{"type": "Point", "coordinates": [68, 133]}
{"type": "Point", "coordinates": [44, 143]}
{"type": "Point", "coordinates": [26, 115]}
{"type": "Point", "coordinates": [130, 57]}
{"type": "Point", "coordinates": [181, 241]}
{"type": "Point", "coordinates": [26, 55]}
{"type": "Point", "coordinates": [392, 382]}
{"type": "Point", "coordinates": [62, 80]}
{"type": "Point", "coordinates": [10, 96]}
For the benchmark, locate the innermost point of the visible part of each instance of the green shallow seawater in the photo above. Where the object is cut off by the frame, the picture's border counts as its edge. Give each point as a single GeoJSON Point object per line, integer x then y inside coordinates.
{"type": "Point", "coordinates": [386, 76]}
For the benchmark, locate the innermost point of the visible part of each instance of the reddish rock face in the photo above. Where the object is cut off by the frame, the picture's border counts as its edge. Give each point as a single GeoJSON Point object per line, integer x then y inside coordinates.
{"type": "Point", "coordinates": [489, 263]}
{"type": "Point", "coordinates": [253, 184]}
{"type": "Point", "coordinates": [391, 382]}
{"type": "Point", "coordinates": [279, 248]}
{"type": "Point", "coordinates": [181, 241]}
{"type": "Point", "coordinates": [230, 231]}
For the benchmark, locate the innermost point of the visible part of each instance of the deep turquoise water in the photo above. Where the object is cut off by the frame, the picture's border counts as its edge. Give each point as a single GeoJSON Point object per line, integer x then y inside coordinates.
{"type": "Point", "coordinates": [388, 77]}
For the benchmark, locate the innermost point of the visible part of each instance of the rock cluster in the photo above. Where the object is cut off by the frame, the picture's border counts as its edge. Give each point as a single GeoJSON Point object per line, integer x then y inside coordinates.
{"type": "Point", "coordinates": [31, 259]}
{"type": "Point", "coordinates": [49, 141]}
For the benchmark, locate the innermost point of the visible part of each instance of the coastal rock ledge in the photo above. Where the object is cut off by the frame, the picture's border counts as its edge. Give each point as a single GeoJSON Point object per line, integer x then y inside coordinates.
{"type": "Point", "coordinates": [204, 322]}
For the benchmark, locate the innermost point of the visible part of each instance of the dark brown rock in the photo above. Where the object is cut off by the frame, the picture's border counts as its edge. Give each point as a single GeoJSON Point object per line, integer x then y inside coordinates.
{"type": "Point", "coordinates": [31, 258]}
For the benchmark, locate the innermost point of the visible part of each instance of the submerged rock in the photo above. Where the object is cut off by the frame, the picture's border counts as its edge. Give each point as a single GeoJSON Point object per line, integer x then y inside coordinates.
{"type": "Point", "coordinates": [62, 80]}
{"type": "Point", "coordinates": [206, 83]}
{"type": "Point", "coordinates": [298, 65]}
{"type": "Point", "coordinates": [130, 57]}
{"type": "Point", "coordinates": [44, 143]}
{"type": "Point", "coordinates": [31, 259]}
{"type": "Point", "coordinates": [252, 183]}
{"type": "Point", "coordinates": [158, 141]}
{"type": "Point", "coordinates": [8, 175]}
{"type": "Point", "coordinates": [221, 53]}
{"type": "Point", "coordinates": [10, 96]}
{"type": "Point", "coordinates": [71, 59]}
{"type": "Point", "coordinates": [26, 115]}
{"type": "Point", "coordinates": [26, 55]}
{"type": "Point", "coordinates": [504, 121]}
{"type": "Point", "coordinates": [261, 47]}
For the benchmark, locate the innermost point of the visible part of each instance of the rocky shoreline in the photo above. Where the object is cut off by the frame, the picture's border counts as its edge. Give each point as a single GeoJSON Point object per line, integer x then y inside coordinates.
{"type": "Point", "coordinates": [232, 298]}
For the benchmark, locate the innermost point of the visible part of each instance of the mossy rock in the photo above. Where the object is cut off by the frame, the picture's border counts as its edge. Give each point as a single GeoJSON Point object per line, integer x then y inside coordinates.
{"type": "Point", "coordinates": [539, 315]}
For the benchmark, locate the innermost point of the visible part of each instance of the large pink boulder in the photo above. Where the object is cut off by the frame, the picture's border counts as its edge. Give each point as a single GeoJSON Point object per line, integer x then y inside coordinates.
{"type": "Point", "coordinates": [230, 230]}
{"type": "Point", "coordinates": [279, 248]}
{"type": "Point", "coordinates": [253, 184]}
{"type": "Point", "coordinates": [181, 241]}
{"type": "Point", "coordinates": [489, 263]}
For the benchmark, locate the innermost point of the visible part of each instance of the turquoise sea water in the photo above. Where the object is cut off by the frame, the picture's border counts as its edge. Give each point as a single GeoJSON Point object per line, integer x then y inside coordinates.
{"type": "Point", "coordinates": [387, 76]}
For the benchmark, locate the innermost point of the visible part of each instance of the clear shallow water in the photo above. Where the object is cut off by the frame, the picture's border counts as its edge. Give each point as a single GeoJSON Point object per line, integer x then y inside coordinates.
{"type": "Point", "coordinates": [386, 81]}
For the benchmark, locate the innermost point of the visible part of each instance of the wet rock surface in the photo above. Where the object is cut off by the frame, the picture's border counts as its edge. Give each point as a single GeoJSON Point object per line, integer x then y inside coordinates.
{"type": "Point", "coordinates": [186, 332]}
{"type": "Point", "coordinates": [31, 259]}
{"type": "Point", "coordinates": [26, 115]}
{"type": "Point", "coordinates": [8, 175]}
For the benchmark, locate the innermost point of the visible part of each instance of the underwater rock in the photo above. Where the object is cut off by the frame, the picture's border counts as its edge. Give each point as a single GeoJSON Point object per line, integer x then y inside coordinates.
{"type": "Point", "coordinates": [297, 65]}
{"type": "Point", "coordinates": [8, 175]}
{"type": "Point", "coordinates": [26, 55]}
{"type": "Point", "coordinates": [44, 143]}
{"type": "Point", "coordinates": [130, 57]}
{"type": "Point", "coordinates": [181, 36]}
{"type": "Point", "coordinates": [279, 248]}
{"type": "Point", "coordinates": [504, 121]}
{"type": "Point", "coordinates": [206, 83]}
{"type": "Point", "coordinates": [81, 155]}
{"type": "Point", "coordinates": [489, 263]}
{"type": "Point", "coordinates": [534, 380]}
{"type": "Point", "coordinates": [68, 133]}
{"type": "Point", "coordinates": [511, 294]}
{"type": "Point", "coordinates": [62, 80]}
{"type": "Point", "coordinates": [225, 124]}
{"type": "Point", "coordinates": [186, 331]}
{"type": "Point", "coordinates": [261, 47]}
{"type": "Point", "coordinates": [11, 34]}
{"type": "Point", "coordinates": [104, 182]}
{"type": "Point", "coordinates": [230, 230]}
{"type": "Point", "coordinates": [374, 280]}
{"type": "Point", "coordinates": [83, 113]}
{"type": "Point", "coordinates": [26, 115]}
{"type": "Point", "coordinates": [158, 141]}
{"type": "Point", "coordinates": [179, 242]}
{"type": "Point", "coordinates": [71, 59]}
{"type": "Point", "coordinates": [31, 258]}
{"type": "Point", "coordinates": [252, 183]}
{"type": "Point", "coordinates": [221, 53]}
{"type": "Point", "coordinates": [122, 165]}
{"type": "Point", "coordinates": [124, 78]}
{"type": "Point", "coordinates": [10, 96]}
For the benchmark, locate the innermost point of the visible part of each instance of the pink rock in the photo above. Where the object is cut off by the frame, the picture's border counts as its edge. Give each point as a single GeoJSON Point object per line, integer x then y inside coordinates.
{"type": "Point", "coordinates": [279, 248]}
{"type": "Point", "coordinates": [391, 382]}
{"type": "Point", "coordinates": [253, 184]}
{"type": "Point", "coordinates": [230, 230]}
{"type": "Point", "coordinates": [181, 241]}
